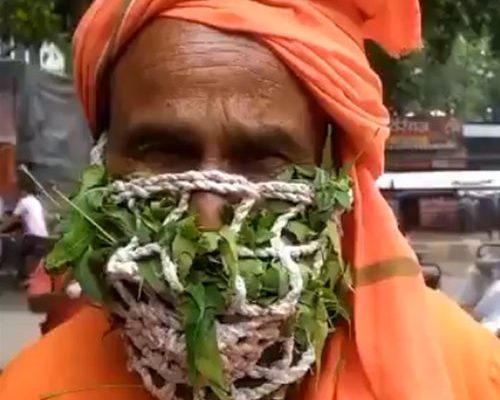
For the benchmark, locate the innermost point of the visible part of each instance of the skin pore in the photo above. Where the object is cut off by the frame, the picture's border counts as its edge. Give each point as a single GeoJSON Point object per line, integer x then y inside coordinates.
{"type": "Point", "coordinates": [185, 96]}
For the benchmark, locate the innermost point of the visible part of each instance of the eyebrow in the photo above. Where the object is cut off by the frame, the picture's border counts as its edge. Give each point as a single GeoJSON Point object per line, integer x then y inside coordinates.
{"type": "Point", "coordinates": [242, 142]}
{"type": "Point", "coordinates": [176, 135]}
{"type": "Point", "coordinates": [263, 140]}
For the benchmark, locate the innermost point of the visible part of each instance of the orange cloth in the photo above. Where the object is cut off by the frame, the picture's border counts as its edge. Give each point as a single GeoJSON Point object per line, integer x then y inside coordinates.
{"type": "Point", "coordinates": [396, 352]}
{"type": "Point", "coordinates": [41, 284]}
{"type": "Point", "coordinates": [84, 358]}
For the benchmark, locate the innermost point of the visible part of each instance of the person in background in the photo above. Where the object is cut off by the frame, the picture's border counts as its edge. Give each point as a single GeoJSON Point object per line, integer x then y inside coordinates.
{"type": "Point", "coordinates": [28, 214]}
{"type": "Point", "coordinates": [45, 294]}
{"type": "Point", "coordinates": [481, 294]}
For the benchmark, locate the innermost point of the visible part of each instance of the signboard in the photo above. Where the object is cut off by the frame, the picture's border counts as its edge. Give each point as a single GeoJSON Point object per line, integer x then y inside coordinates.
{"type": "Point", "coordinates": [429, 133]}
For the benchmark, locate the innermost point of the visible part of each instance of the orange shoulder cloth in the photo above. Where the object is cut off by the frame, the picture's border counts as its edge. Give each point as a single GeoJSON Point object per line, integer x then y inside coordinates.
{"type": "Point", "coordinates": [82, 360]}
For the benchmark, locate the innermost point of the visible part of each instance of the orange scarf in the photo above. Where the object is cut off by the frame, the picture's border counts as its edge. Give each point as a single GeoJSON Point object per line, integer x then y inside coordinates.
{"type": "Point", "coordinates": [393, 352]}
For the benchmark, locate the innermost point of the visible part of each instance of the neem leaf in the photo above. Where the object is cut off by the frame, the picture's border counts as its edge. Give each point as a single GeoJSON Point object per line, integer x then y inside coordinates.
{"type": "Point", "coordinates": [277, 206]}
{"type": "Point", "coordinates": [247, 237]}
{"type": "Point", "coordinates": [305, 172]}
{"type": "Point", "coordinates": [150, 221]}
{"type": "Point", "coordinates": [321, 179]}
{"type": "Point", "coordinates": [89, 280]}
{"type": "Point", "coordinates": [209, 241]}
{"type": "Point", "coordinates": [159, 209]}
{"type": "Point", "coordinates": [334, 236]}
{"type": "Point", "coordinates": [188, 229]}
{"type": "Point", "coordinates": [275, 280]}
{"type": "Point", "coordinates": [93, 176]}
{"type": "Point", "coordinates": [184, 252]}
{"type": "Point", "coordinates": [251, 266]}
{"type": "Point", "coordinates": [229, 251]}
{"type": "Point", "coordinates": [122, 220]}
{"type": "Point", "coordinates": [299, 230]}
{"type": "Point", "coordinates": [265, 220]}
{"type": "Point", "coordinates": [251, 271]}
{"type": "Point", "coordinates": [72, 245]}
{"type": "Point", "coordinates": [344, 199]}
{"type": "Point", "coordinates": [204, 359]}
{"type": "Point", "coordinates": [150, 271]}
{"type": "Point", "coordinates": [320, 331]}
{"type": "Point", "coordinates": [284, 283]}
{"type": "Point", "coordinates": [94, 198]}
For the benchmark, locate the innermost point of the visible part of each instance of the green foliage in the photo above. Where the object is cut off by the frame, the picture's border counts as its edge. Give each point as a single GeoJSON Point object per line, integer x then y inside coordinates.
{"type": "Point", "coordinates": [457, 70]}
{"type": "Point", "coordinates": [208, 261]}
{"type": "Point", "coordinates": [29, 22]}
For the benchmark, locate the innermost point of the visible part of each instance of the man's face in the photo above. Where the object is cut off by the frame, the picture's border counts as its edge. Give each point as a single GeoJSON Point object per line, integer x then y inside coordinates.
{"type": "Point", "coordinates": [188, 97]}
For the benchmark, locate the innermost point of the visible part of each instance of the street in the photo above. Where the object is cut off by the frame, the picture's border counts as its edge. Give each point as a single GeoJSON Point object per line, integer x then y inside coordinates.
{"type": "Point", "coordinates": [18, 327]}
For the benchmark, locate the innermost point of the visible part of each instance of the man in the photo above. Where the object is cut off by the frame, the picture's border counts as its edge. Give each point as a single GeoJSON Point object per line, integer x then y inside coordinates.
{"type": "Point", "coordinates": [30, 215]}
{"type": "Point", "coordinates": [248, 87]}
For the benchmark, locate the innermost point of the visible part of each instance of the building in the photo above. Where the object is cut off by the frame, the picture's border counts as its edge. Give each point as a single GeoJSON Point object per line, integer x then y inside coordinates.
{"type": "Point", "coordinates": [443, 176]}
{"type": "Point", "coordinates": [39, 113]}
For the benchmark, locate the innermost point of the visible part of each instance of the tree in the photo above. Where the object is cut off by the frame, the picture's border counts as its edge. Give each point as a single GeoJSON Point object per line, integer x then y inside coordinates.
{"type": "Point", "coordinates": [457, 70]}
{"type": "Point", "coordinates": [29, 22]}
{"type": "Point", "coordinates": [460, 86]}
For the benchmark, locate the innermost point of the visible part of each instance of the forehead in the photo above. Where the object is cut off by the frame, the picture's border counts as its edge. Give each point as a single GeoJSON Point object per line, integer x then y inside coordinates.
{"type": "Point", "coordinates": [172, 65]}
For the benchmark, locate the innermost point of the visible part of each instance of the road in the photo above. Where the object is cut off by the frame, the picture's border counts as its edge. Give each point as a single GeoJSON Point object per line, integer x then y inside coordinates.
{"type": "Point", "coordinates": [18, 327]}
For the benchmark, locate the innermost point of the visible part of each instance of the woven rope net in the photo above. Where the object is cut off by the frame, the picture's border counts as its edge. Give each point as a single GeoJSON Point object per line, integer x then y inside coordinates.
{"type": "Point", "coordinates": [154, 331]}
{"type": "Point", "coordinates": [259, 351]}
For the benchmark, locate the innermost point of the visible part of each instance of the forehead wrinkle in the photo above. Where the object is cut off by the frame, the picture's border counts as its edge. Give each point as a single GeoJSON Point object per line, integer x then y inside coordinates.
{"type": "Point", "coordinates": [201, 45]}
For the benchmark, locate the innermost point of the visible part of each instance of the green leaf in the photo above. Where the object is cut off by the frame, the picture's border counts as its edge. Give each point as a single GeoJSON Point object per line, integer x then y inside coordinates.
{"type": "Point", "coordinates": [304, 172]}
{"type": "Point", "coordinates": [209, 241]}
{"type": "Point", "coordinates": [150, 270]}
{"type": "Point", "coordinates": [248, 237]}
{"type": "Point", "coordinates": [277, 206]}
{"type": "Point", "coordinates": [93, 176]}
{"type": "Point", "coordinates": [159, 209]}
{"type": "Point", "coordinates": [94, 198]}
{"type": "Point", "coordinates": [229, 251]}
{"type": "Point", "coordinates": [320, 331]}
{"type": "Point", "coordinates": [276, 280]}
{"type": "Point", "coordinates": [301, 231]}
{"type": "Point", "coordinates": [188, 229]}
{"type": "Point", "coordinates": [344, 199]}
{"type": "Point", "coordinates": [122, 220]}
{"type": "Point", "coordinates": [334, 236]}
{"type": "Point", "coordinates": [91, 283]}
{"type": "Point", "coordinates": [73, 244]}
{"type": "Point", "coordinates": [251, 271]}
{"type": "Point", "coordinates": [184, 252]}
{"type": "Point", "coordinates": [149, 220]}
{"type": "Point", "coordinates": [266, 220]}
{"type": "Point", "coordinates": [204, 359]}
{"type": "Point", "coordinates": [284, 282]}
{"type": "Point", "coordinates": [252, 266]}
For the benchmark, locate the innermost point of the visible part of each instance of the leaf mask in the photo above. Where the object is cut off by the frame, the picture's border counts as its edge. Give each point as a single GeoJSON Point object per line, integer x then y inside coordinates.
{"type": "Point", "coordinates": [238, 313]}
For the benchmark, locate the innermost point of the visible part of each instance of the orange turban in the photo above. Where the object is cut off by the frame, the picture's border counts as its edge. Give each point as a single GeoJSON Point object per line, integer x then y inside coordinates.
{"type": "Point", "coordinates": [321, 41]}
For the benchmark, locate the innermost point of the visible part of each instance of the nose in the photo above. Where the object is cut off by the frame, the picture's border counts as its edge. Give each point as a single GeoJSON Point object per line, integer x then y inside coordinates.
{"type": "Point", "coordinates": [208, 207]}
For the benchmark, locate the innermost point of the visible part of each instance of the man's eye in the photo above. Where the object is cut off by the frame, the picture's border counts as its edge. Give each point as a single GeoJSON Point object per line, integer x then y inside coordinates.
{"type": "Point", "coordinates": [164, 158]}
{"type": "Point", "coordinates": [261, 168]}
